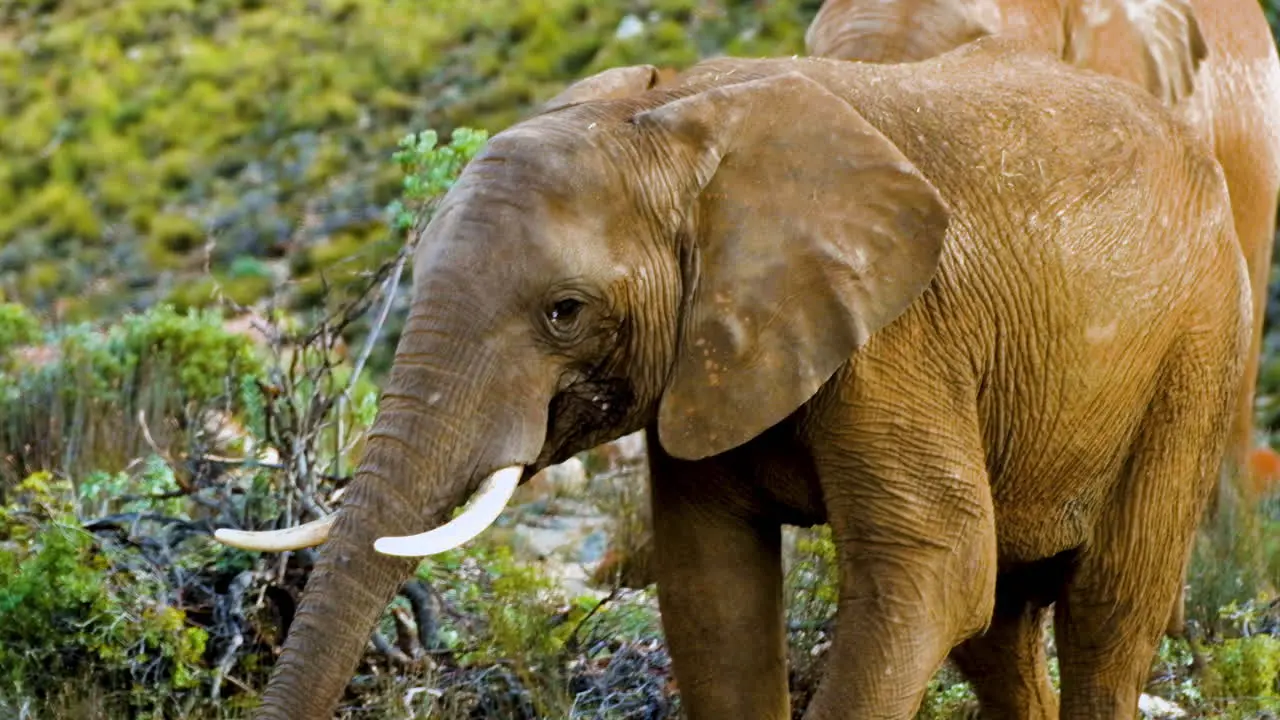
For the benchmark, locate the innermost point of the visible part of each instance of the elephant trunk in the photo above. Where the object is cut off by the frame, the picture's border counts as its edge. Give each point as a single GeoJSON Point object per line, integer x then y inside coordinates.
{"type": "Point", "coordinates": [435, 438]}
{"type": "Point", "coordinates": [348, 589]}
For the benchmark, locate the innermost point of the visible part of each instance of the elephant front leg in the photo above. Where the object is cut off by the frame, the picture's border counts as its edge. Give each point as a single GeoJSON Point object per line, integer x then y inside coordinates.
{"type": "Point", "coordinates": [719, 572]}
{"type": "Point", "coordinates": [911, 515]}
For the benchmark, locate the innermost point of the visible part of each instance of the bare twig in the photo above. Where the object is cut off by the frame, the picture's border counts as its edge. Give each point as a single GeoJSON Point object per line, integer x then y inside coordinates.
{"type": "Point", "coordinates": [389, 287]}
{"type": "Point", "coordinates": [571, 643]}
{"type": "Point", "coordinates": [252, 463]}
{"type": "Point", "coordinates": [392, 653]}
{"type": "Point", "coordinates": [151, 442]}
{"type": "Point", "coordinates": [234, 618]}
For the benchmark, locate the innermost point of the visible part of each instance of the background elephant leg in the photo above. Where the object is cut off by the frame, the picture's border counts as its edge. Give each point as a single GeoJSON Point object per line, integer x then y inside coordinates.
{"type": "Point", "coordinates": [1007, 666]}
{"type": "Point", "coordinates": [719, 573]}
{"type": "Point", "coordinates": [1126, 579]}
{"type": "Point", "coordinates": [910, 512]}
{"type": "Point", "coordinates": [1252, 178]}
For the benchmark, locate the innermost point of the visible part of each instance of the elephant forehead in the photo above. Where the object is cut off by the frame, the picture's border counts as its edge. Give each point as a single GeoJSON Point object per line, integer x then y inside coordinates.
{"type": "Point", "coordinates": [535, 238]}
{"type": "Point", "coordinates": [551, 154]}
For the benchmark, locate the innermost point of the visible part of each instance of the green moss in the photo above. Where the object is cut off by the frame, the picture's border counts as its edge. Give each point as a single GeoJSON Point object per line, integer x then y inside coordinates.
{"type": "Point", "coordinates": [175, 234]}
{"type": "Point", "coordinates": [194, 295]}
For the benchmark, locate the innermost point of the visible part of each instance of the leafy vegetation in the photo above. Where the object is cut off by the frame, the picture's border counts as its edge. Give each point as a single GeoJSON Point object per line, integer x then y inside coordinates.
{"type": "Point", "coordinates": [75, 607]}
{"type": "Point", "coordinates": [147, 138]}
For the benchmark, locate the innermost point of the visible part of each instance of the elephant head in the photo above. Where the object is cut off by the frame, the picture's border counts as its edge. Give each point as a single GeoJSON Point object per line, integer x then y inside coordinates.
{"type": "Point", "coordinates": [702, 257]}
{"type": "Point", "coordinates": [1155, 43]}
{"type": "Point", "coordinates": [898, 30]}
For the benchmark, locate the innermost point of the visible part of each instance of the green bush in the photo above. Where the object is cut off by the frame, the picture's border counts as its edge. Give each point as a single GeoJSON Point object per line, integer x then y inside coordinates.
{"type": "Point", "coordinates": [192, 349]}
{"type": "Point", "coordinates": [78, 411]}
{"type": "Point", "coordinates": [1244, 675]}
{"type": "Point", "coordinates": [76, 614]}
{"type": "Point", "coordinates": [17, 327]}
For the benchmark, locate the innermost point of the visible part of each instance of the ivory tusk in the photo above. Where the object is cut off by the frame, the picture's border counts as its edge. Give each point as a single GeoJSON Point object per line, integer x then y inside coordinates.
{"type": "Point", "coordinates": [483, 509]}
{"type": "Point", "coordinates": [294, 538]}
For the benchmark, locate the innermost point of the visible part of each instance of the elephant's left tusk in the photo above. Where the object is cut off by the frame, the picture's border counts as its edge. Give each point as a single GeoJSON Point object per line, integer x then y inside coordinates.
{"type": "Point", "coordinates": [294, 538]}
{"type": "Point", "coordinates": [485, 507]}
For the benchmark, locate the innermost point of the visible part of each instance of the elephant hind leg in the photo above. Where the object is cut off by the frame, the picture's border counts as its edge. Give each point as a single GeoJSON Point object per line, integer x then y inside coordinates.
{"type": "Point", "coordinates": [1007, 665]}
{"type": "Point", "coordinates": [1118, 602]}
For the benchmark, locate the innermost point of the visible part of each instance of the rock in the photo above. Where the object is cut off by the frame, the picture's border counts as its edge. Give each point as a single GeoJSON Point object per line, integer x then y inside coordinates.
{"type": "Point", "coordinates": [631, 446]}
{"type": "Point", "coordinates": [1156, 707]}
{"type": "Point", "coordinates": [630, 27]}
{"type": "Point", "coordinates": [568, 478]}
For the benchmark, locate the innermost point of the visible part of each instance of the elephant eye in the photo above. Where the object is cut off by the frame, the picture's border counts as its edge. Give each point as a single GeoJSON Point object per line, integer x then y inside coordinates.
{"type": "Point", "coordinates": [564, 311]}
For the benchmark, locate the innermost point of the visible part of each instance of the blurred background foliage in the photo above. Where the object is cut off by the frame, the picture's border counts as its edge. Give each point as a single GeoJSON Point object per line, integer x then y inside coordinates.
{"type": "Point", "coordinates": [145, 138]}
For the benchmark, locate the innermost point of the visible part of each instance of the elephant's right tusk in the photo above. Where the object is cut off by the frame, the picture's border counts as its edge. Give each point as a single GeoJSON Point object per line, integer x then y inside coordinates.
{"type": "Point", "coordinates": [294, 538]}
{"type": "Point", "coordinates": [485, 507]}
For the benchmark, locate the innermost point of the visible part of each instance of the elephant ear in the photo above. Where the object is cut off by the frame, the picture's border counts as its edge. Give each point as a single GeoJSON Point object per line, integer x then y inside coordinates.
{"type": "Point", "coordinates": [808, 231]}
{"type": "Point", "coordinates": [1166, 34]}
{"type": "Point", "coordinates": [891, 31]}
{"type": "Point", "coordinates": [618, 82]}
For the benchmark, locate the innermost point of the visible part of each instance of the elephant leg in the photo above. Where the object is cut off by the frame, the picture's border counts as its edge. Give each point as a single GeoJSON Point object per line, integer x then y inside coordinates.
{"type": "Point", "coordinates": [1118, 602]}
{"type": "Point", "coordinates": [719, 571]}
{"type": "Point", "coordinates": [909, 506]}
{"type": "Point", "coordinates": [1006, 665]}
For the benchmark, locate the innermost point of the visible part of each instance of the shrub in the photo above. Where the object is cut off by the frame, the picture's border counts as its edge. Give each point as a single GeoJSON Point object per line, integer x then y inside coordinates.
{"type": "Point", "coordinates": [77, 613]}
{"type": "Point", "coordinates": [554, 651]}
{"type": "Point", "coordinates": [79, 410]}
{"type": "Point", "coordinates": [1243, 676]}
{"type": "Point", "coordinates": [17, 327]}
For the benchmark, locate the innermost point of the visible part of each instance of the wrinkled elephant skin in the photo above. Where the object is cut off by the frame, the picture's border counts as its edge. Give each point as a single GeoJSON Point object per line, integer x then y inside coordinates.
{"type": "Point", "coordinates": [984, 314]}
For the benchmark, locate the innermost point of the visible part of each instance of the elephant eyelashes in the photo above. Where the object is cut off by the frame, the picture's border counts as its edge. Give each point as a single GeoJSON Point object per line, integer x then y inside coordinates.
{"type": "Point", "coordinates": [564, 318]}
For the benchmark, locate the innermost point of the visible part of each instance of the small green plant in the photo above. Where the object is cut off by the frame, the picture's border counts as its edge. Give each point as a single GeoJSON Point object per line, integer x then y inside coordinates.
{"type": "Point", "coordinates": [812, 589]}
{"type": "Point", "coordinates": [1243, 674]}
{"type": "Point", "coordinates": [949, 697]}
{"type": "Point", "coordinates": [430, 170]}
{"type": "Point", "coordinates": [813, 581]}
{"type": "Point", "coordinates": [17, 327]}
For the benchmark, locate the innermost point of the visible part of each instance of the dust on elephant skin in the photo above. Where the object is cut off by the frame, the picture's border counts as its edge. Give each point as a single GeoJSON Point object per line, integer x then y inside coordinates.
{"type": "Point", "coordinates": [984, 314]}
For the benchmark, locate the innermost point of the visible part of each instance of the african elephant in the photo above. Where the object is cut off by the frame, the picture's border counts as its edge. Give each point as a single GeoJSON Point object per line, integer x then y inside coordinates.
{"type": "Point", "coordinates": [1234, 103]}
{"type": "Point", "coordinates": [985, 315]}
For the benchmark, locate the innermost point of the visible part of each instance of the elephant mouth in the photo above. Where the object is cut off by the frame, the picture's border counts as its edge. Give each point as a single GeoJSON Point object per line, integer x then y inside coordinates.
{"type": "Point", "coordinates": [481, 511]}
{"type": "Point", "coordinates": [585, 414]}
